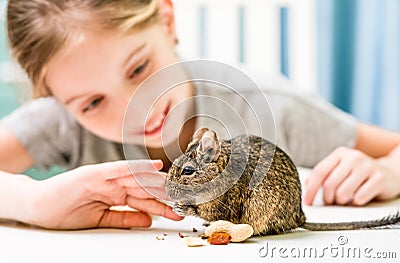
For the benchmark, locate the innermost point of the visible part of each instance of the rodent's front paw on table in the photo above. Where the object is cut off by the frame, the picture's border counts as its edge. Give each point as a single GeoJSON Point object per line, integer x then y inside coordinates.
{"type": "Point", "coordinates": [184, 210]}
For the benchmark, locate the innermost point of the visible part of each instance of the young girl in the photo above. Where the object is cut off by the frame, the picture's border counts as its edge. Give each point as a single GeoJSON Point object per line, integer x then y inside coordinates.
{"type": "Point", "coordinates": [87, 58]}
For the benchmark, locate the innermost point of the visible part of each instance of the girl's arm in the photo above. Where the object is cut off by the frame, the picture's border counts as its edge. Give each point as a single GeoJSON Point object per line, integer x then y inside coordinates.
{"type": "Point", "coordinates": [14, 158]}
{"type": "Point", "coordinates": [357, 176]}
{"type": "Point", "coordinates": [375, 141]}
{"type": "Point", "coordinates": [82, 198]}
{"type": "Point", "coordinates": [15, 190]}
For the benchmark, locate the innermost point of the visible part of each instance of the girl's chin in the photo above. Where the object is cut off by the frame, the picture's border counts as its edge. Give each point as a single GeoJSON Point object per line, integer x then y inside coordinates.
{"type": "Point", "coordinates": [154, 144]}
{"type": "Point", "coordinates": [157, 142]}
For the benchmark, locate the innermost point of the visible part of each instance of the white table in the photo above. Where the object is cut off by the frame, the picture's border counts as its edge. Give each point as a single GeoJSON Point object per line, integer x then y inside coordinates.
{"type": "Point", "coordinates": [20, 243]}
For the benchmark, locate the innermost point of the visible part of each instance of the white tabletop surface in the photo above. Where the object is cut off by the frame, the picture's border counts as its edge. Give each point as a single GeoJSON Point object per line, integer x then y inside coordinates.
{"type": "Point", "coordinates": [20, 243]}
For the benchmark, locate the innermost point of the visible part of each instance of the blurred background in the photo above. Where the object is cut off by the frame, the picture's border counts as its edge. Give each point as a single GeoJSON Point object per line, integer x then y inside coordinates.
{"type": "Point", "coordinates": [348, 51]}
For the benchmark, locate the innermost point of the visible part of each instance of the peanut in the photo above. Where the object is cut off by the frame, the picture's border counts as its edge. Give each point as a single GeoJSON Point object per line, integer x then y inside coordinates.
{"type": "Point", "coordinates": [194, 241]}
{"type": "Point", "coordinates": [219, 238]}
{"type": "Point", "coordinates": [238, 232]}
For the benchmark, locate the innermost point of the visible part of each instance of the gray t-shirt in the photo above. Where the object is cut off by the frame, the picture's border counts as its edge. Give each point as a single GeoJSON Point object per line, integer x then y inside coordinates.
{"type": "Point", "coordinates": [305, 126]}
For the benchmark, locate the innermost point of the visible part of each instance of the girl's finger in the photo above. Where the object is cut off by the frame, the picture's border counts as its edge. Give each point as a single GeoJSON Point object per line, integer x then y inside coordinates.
{"type": "Point", "coordinates": [137, 166]}
{"type": "Point", "coordinates": [117, 169]}
{"type": "Point", "coordinates": [142, 179]}
{"type": "Point", "coordinates": [318, 176]}
{"type": "Point", "coordinates": [153, 207]}
{"type": "Point", "coordinates": [150, 179]}
{"type": "Point", "coordinates": [147, 193]}
{"type": "Point", "coordinates": [124, 219]}
{"type": "Point", "coordinates": [335, 178]}
{"type": "Point", "coordinates": [345, 192]}
{"type": "Point", "coordinates": [369, 190]}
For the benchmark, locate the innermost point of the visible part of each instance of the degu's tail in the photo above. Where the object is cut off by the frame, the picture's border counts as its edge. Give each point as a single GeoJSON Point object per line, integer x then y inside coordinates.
{"type": "Point", "coordinates": [385, 221]}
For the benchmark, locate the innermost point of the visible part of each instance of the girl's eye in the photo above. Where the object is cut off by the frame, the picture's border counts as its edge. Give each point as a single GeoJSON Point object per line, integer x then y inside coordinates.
{"type": "Point", "coordinates": [94, 103]}
{"type": "Point", "coordinates": [139, 70]}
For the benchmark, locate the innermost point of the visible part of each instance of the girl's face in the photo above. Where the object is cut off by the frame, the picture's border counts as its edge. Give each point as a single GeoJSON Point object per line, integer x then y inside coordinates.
{"type": "Point", "coordinates": [97, 76]}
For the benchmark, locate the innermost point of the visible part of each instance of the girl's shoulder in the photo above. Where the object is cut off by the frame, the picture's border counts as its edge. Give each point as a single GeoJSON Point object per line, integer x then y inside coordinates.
{"type": "Point", "coordinates": [40, 112]}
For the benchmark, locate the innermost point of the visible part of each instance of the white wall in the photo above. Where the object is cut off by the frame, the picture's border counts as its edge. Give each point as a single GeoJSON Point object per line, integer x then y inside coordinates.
{"type": "Point", "coordinates": [262, 30]}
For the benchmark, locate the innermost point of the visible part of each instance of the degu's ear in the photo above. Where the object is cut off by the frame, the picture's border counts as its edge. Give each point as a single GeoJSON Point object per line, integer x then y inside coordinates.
{"type": "Point", "coordinates": [167, 16]}
{"type": "Point", "coordinates": [208, 146]}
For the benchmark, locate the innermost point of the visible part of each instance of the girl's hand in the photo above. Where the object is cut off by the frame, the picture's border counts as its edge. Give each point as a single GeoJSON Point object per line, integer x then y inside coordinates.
{"type": "Point", "coordinates": [349, 176]}
{"type": "Point", "coordinates": [82, 198]}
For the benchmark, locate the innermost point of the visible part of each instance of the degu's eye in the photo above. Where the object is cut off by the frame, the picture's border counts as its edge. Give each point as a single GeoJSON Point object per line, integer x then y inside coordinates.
{"type": "Point", "coordinates": [188, 170]}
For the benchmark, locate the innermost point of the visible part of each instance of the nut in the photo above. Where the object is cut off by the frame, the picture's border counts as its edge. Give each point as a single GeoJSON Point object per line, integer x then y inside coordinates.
{"type": "Point", "coordinates": [194, 241]}
{"type": "Point", "coordinates": [238, 232]}
{"type": "Point", "coordinates": [219, 238]}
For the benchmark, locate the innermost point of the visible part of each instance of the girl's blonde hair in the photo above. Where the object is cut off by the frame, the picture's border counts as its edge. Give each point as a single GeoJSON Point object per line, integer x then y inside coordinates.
{"type": "Point", "coordinates": [40, 29]}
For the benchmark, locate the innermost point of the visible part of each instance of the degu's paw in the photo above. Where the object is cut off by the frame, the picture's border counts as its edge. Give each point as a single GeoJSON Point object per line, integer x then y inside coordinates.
{"type": "Point", "coordinates": [184, 210]}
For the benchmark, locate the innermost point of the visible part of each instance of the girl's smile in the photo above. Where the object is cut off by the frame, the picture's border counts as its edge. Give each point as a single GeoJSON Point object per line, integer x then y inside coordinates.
{"type": "Point", "coordinates": [154, 124]}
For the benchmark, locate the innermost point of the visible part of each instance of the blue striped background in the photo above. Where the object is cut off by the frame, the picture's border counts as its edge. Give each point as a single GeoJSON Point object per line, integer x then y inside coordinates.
{"type": "Point", "coordinates": [284, 13]}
